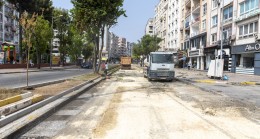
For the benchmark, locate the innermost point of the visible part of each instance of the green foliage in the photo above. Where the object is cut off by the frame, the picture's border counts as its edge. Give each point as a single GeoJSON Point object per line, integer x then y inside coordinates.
{"type": "Point", "coordinates": [93, 16]}
{"type": "Point", "coordinates": [40, 7]}
{"type": "Point", "coordinates": [76, 46]}
{"type": "Point", "coordinates": [146, 45]}
{"type": "Point", "coordinates": [62, 24]}
{"type": "Point", "coordinates": [41, 37]}
{"type": "Point", "coordinates": [88, 50]}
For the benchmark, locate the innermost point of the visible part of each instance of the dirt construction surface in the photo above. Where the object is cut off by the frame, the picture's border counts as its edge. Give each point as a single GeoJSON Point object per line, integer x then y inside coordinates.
{"type": "Point", "coordinates": [127, 106]}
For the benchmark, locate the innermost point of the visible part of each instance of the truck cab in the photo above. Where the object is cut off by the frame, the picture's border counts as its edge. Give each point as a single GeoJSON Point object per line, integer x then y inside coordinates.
{"type": "Point", "coordinates": [159, 66]}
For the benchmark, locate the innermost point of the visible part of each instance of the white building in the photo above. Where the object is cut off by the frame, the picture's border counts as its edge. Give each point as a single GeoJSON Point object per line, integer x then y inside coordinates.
{"type": "Point", "coordinates": [9, 30]}
{"type": "Point", "coordinates": [161, 23]}
{"type": "Point", "coordinates": [174, 17]}
{"type": "Point", "coordinates": [149, 27]}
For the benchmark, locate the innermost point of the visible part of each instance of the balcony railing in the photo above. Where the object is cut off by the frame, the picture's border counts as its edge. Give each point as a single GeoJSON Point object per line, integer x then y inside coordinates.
{"type": "Point", "coordinates": [187, 37]}
{"type": "Point", "coordinates": [187, 1]}
{"type": "Point", "coordinates": [195, 6]}
{"type": "Point", "coordinates": [187, 13]}
{"type": "Point", "coordinates": [197, 19]}
{"type": "Point", "coordinates": [195, 33]}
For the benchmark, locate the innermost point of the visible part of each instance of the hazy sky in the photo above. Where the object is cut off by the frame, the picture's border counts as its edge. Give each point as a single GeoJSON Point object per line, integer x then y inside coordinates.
{"type": "Point", "coordinates": [131, 27]}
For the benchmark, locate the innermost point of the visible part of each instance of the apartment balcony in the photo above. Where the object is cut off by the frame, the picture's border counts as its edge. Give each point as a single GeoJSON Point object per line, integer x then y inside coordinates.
{"type": "Point", "coordinates": [187, 37]}
{"type": "Point", "coordinates": [227, 21]}
{"type": "Point", "coordinates": [196, 7]}
{"type": "Point", "coordinates": [8, 24]}
{"type": "Point", "coordinates": [194, 34]}
{"type": "Point", "coordinates": [195, 21]}
{"type": "Point", "coordinates": [187, 13]}
{"type": "Point", "coordinates": [187, 2]}
{"type": "Point", "coordinates": [226, 2]}
{"type": "Point", "coordinates": [187, 25]}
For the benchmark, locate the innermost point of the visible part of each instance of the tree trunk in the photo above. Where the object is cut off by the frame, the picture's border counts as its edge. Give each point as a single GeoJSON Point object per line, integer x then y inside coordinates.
{"type": "Point", "coordinates": [95, 54]}
{"type": "Point", "coordinates": [102, 45]}
{"type": "Point", "coordinates": [38, 59]}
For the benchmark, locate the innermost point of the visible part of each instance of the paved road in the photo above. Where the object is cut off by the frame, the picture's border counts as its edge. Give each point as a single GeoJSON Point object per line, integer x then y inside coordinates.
{"type": "Point", "coordinates": [128, 106]}
{"type": "Point", "coordinates": [19, 79]}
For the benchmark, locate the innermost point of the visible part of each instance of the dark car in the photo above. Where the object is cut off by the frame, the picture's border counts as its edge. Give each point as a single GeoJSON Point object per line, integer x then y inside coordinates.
{"type": "Point", "coordinates": [87, 65]}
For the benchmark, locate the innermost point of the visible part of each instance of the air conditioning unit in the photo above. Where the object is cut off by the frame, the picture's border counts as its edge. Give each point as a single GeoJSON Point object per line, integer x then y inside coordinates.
{"type": "Point", "coordinates": [257, 37]}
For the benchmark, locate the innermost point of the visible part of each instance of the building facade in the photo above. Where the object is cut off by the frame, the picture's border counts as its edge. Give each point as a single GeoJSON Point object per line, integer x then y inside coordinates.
{"type": "Point", "coordinates": [149, 27]}
{"type": "Point", "coordinates": [246, 48]}
{"type": "Point", "coordinates": [161, 23]}
{"type": "Point", "coordinates": [9, 33]}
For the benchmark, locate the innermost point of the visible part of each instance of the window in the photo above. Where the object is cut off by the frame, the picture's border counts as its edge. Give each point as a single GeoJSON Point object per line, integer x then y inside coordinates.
{"type": "Point", "coordinates": [228, 13]}
{"type": "Point", "coordinates": [205, 9]}
{"type": "Point", "coordinates": [213, 38]}
{"type": "Point", "coordinates": [204, 24]}
{"type": "Point", "coordinates": [214, 4]}
{"type": "Point", "coordinates": [248, 30]}
{"type": "Point", "coordinates": [214, 21]}
{"type": "Point", "coordinates": [248, 6]}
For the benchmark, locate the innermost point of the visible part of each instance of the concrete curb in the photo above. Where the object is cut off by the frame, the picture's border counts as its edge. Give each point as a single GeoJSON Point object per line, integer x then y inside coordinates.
{"type": "Point", "coordinates": [31, 71]}
{"type": "Point", "coordinates": [42, 84]}
{"type": "Point", "coordinates": [15, 99]}
{"type": "Point", "coordinates": [8, 109]}
{"type": "Point", "coordinates": [38, 111]}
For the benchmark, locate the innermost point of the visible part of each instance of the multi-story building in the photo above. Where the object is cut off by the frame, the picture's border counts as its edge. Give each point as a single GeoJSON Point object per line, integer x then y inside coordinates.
{"type": "Point", "coordinates": [161, 23]}
{"type": "Point", "coordinates": [113, 46]}
{"type": "Point", "coordinates": [149, 27]}
{"type": "Point", "coordinates": [55, 43]}
{"type": "Point", "coordinates": [122, 50]}
{"type": "Point", "coordinates": [9, 32]}
{"type": "Point", "coordinates": [194, 32]}
{"type": "Point", "coordinates": [174, 18]}
{"type": "Point", "coordinates": [246, 47]}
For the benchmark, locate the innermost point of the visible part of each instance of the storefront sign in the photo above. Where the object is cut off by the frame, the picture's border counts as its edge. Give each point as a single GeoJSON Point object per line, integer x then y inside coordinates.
{"type": "Point", "coordinates": [195, 53]}
{"type": "Point", "coordinates": [250, 14]}
{"type": "Point", "coordinates": [246, 48]}
{"type": "Point", "coordinates": [255, 47]}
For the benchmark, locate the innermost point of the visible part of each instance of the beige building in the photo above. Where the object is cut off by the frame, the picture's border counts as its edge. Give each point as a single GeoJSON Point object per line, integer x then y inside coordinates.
{"type": "Point", "coordinates": [246, 47]}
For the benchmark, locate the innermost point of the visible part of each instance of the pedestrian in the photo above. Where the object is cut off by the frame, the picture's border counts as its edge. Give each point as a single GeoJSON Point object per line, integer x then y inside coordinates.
{"type": "Point", "coordinates": [31, 63]}
{"type": "Point", "coordinates": [189, 65]}
{"type": "Point", "coordinates": [106, 69]}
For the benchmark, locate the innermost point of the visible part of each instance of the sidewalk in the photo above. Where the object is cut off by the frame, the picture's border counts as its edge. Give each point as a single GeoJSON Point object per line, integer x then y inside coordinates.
{"type": "Point", "coordinates": [22, 70]}
{"type": "Point", "coordinates": [201, 76]}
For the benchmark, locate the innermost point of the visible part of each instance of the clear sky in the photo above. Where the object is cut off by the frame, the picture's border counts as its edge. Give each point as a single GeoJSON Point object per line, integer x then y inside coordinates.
{"type": "Point", "coordinates": [131, 27]}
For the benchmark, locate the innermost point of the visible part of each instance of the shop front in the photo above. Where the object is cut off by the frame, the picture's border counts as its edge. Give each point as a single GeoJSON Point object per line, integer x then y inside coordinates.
{"type": "Point", "coordinates": [196, 58]}
{"type": "Point", "coordinates": [8, 53]}
{"type": "Point", "coordinates": [214, 51]}
{"type": "Point", "coordinates": [246, 59]}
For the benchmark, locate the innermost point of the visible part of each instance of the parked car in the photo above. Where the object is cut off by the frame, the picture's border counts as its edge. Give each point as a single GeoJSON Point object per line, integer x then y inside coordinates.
{"type": "Point", "coordinates": [87, 65]}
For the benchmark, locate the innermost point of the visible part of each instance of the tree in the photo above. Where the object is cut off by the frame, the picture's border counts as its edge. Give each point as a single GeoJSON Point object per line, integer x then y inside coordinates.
{"type": "Point", "coordinates": [41, 36]}
{"type": "Point", "coordinates": [31, 6]}
{"type": "Point", "coordinates": [88, 51]}
{"type": "Point", "coordinates": [77, 43]}
{"type": "Point", "coordinates": [93, 16]}
{"type": "Point", "coordinates": [146, 45]}
{"type": "Point", "coordinates": [28, 25]}
{"type": "Point", "coordinates": [62, 24]}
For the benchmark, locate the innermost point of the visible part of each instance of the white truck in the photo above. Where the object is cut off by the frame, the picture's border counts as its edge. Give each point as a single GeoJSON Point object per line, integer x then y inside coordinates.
{"type": "Point", "coordinates": [159, 66]}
